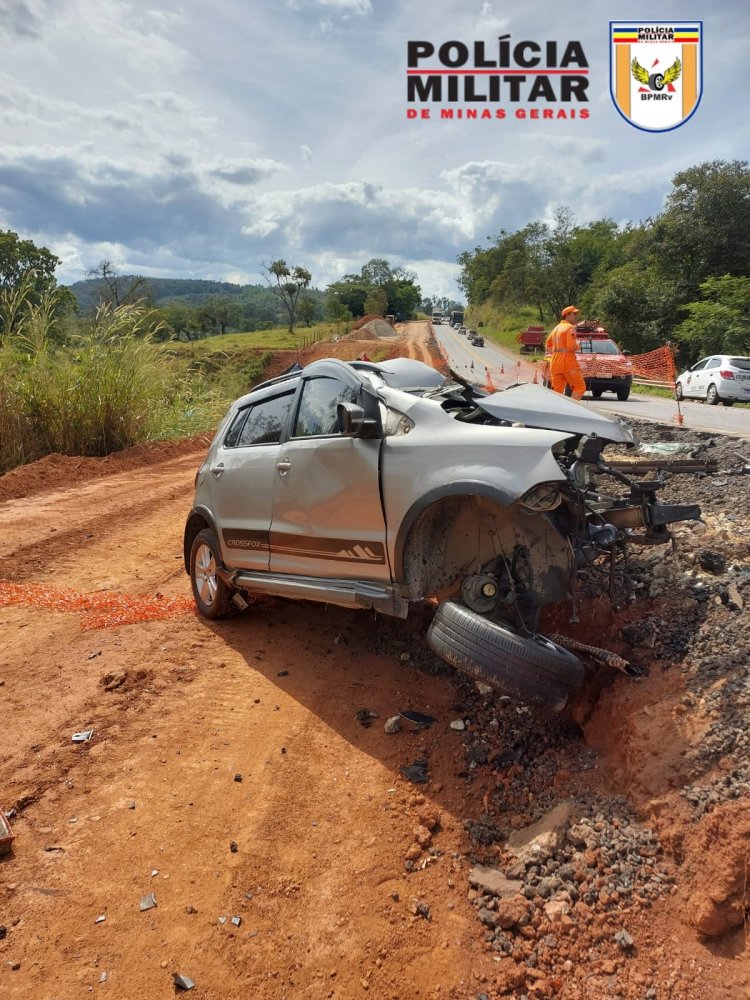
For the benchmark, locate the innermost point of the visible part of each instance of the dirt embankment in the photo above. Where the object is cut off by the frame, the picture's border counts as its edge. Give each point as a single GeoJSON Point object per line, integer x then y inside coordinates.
{"type": "Point", "coordinates": [234, 771]}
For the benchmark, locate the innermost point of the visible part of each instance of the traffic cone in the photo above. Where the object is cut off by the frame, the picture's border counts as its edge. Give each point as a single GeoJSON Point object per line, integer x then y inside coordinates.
{"type": "Point", "coordinates": [536, 378]}
{"type": "Point", "coordinates": [489, 386]}
{"type": "Point", "coordinates": [502, 368]}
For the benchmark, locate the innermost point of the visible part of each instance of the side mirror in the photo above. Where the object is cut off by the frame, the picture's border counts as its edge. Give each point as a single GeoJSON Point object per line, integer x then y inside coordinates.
{"type": "Point", "coordinates": [350, 418]}
{"type": "Point", "coordinates": [627, 354]}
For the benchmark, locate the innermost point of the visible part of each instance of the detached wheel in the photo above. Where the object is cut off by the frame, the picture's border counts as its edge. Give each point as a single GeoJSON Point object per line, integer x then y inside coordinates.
{"type": "Point", "coordinates": [712, 396]}
{"type": "Point", "coordinates": [622, 394]}
{"type": "Point", "coordinates": [532, 669]}
{"type": "Point", "coordinates": [596, 393]}
{"type": "Point", "coordinates": [679, 394]}
{"type": "Point", "coordinates": [211, 594]}
{"type": "Point", "coordinates": [727, 402]}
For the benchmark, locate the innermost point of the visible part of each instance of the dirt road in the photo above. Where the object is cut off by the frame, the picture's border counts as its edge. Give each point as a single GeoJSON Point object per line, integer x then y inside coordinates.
{"type": "Point", "coordinates": [228, 774]}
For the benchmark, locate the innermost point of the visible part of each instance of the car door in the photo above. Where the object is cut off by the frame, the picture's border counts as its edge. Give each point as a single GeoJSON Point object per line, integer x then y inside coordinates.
{"type": "Point", "coordinates": [710, 374]}
{"type": "Point", "coordinates": [327, 513]}
{"type": "Point", "coordinates": [242, 472]}
{"type": "Point", "coordinates": [693, 384]}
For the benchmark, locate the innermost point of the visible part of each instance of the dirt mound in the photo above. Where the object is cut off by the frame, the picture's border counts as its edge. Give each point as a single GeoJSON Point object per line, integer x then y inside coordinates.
{"type": "Point", "coordinates": [378, 328]}
{"type": "Point", "coordinates": [58, 471]}
{"type": "Point", "coordinates": [716, 870]}
{"type": "Point", "coordinates": [364, 320]}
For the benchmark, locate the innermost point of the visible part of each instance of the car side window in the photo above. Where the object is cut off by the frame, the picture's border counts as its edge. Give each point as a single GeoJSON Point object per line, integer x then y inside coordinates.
{"type": "Point", "coordinates": [265, 421]}
{"type": "Point", "coordinates": [713, 363]}
{"type": "Point", "coordinates": [699, 365]}
{"type": "Point", "coordinates": [317, 409]}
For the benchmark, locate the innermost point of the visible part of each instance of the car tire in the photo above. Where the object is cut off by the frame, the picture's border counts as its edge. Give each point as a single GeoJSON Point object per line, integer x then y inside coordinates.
{"type": "Point", "coordinates": [532, 669]}
{"type": "Point", "coordinates": [679, 394]}
{"type": "Point", "coordinates": [212, 596]}
{"type": "Point", "coordinates": [622, 394]}
{"type": "Point", "coordinates": [597, 393]}
{"type": "Point", "coordinates": [712, 396]}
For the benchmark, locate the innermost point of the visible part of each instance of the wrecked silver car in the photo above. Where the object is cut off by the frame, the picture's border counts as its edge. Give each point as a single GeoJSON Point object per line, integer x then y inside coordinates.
{"type": "Point", "coordinates": [375, 485]}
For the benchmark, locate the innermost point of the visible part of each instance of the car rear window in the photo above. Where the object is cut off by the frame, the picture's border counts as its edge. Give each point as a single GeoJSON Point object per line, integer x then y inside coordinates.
{"type": "Point", "coordinates": [742, 363]}
{"type": "Point", "coordinates": [261, 423]}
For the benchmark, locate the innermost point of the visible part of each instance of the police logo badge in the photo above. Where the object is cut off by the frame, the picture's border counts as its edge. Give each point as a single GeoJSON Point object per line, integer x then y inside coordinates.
{"type": "Point", "coordinates": [656, 72]}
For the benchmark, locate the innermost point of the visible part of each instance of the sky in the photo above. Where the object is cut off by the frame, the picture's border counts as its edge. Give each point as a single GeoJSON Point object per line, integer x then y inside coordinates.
{"type": "Point", "coordinates": [202, 140]}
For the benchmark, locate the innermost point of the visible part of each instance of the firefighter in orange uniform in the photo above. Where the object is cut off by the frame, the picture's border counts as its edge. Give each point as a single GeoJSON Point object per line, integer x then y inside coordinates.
{"type": "Point", "coordinates": [562, 345]}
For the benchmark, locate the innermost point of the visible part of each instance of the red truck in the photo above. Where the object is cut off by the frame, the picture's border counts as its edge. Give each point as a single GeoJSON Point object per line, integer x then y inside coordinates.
{"type": "Point", "coordinates": [532, 339]}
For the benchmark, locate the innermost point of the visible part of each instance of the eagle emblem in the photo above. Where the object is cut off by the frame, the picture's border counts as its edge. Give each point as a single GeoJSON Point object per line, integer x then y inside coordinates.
{"type": "Point", "coordinates": [656, 81]}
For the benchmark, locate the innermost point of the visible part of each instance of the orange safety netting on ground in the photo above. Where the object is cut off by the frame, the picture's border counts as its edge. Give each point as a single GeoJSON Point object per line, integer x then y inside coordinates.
{"type": "Point", "coordinates": [99, 610]}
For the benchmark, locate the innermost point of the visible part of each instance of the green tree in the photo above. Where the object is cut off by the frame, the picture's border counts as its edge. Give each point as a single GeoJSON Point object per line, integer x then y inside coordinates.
{"type": "Point", "coordinates": [376, 302]}
{"type": "Point", "coordinates": [116, 289]}
{"type": "Point", "coordinates": [307, 310]}
{"type": "Point", "coordinates": [719, 322]}
{"type": "Point", "coordinates": [705, 229]}
{"type": "Point", "coordinates": [287, 284]}
{"type": "Point", "coordinates": [19, 258]}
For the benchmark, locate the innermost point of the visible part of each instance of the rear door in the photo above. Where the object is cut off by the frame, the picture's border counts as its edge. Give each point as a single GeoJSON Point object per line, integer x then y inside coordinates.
{"type": "Point", "coordinates": [327, 512]}
{"type": "Point", "coordinates": [710, 374]}
{"type": "Point", "coordinates": [243, 471]}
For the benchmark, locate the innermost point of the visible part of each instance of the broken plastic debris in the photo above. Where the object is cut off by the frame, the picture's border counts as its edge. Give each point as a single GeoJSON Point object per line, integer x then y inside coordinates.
{"type": "Point", "coordinates": [154, 872]}
{"type": "Point", "coordinates": [182, 982]}
{"type": "Point", "coordinates": [83, 737]}
{"type": "Point", "coordinates": [416, 773]}
{"type": "Point", "coordinates": [365, 717]}
{"type": "Point", "coordinates": [236, 921]}
{"type": "Point", "coordinates": [418, 718]}
{"type": "Point", "coordinates": [103, 978]}
{"type": "Point", "coordinates": [148, 902]}
{"type": "Point", "coordinates": [101, 918]}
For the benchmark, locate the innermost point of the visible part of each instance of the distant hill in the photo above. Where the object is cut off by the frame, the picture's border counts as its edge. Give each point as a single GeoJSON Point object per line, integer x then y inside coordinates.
{"type": "Point", "coordinates": [188, 291]}
{"type": "Point", "coordinates": [244, 307]}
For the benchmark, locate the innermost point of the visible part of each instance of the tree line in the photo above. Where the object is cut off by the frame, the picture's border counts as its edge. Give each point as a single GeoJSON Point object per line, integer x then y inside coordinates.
{"type": "Point", "coordinates": [185, 308]}
{"type": "Point", "coordinates": [682, 276]}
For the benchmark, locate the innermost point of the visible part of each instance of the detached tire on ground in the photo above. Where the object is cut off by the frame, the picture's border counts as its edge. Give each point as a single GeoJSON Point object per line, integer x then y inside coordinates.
{"type": "Point", "coordinates": [534, 670]}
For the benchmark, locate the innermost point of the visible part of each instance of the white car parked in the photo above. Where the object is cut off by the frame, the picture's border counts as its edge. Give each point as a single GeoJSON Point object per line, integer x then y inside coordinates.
{"type": "Point", "coordinates": [721, 378]}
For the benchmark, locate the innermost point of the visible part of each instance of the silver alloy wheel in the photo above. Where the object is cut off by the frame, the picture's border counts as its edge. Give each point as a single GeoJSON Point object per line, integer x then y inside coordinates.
{"type": "Point", "coordinates": [206, 578]}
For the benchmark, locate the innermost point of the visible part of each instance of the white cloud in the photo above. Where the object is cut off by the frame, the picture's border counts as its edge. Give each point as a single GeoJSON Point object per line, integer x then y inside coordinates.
{"type": "Point", "coordinates": [201, 145]}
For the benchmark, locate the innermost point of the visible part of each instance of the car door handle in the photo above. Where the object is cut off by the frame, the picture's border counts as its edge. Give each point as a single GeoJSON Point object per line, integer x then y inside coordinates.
{"type": "Point", "coordinates": [284, 466]}
{"type": "Point", "coordinates": [217, 470]}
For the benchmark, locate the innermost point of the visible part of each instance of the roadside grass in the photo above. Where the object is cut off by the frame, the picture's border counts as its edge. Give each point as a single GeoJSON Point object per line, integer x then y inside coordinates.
{"type": "Point", "coordinates": [230, 364]}
{"type": "Point", "coordinates": [503, 325]}
{"type": "Point", "coordinates": [110, 388]}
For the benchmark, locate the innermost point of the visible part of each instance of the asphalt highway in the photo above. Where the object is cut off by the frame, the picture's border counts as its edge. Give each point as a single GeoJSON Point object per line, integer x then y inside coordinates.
{"type": "Point", "coordinates": [497, 367]}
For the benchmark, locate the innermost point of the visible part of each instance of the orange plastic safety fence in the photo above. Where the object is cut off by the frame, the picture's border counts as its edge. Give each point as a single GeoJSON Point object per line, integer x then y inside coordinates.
{"type": "Point", "coordinates": [102, 609]}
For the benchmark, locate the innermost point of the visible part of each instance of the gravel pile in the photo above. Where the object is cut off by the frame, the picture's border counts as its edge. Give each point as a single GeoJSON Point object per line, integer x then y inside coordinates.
{"type": "Point", "coordinates": [571, 898]}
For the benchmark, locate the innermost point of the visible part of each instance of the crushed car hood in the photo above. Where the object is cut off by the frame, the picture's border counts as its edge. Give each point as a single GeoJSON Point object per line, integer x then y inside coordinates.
{"type": "Point", "coordinates": [535, 406]}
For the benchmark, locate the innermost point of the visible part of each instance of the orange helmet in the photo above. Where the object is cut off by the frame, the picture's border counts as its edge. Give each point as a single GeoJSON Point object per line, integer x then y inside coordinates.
{"type": "Point", "coordinates": [568, 310]}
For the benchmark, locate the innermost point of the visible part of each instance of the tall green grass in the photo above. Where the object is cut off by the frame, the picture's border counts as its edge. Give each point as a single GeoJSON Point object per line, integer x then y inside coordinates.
{"type": "Point", "coordinates": [111, 387]}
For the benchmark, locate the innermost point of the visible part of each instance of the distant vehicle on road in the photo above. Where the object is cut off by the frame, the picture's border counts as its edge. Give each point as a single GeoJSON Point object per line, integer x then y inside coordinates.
{"type": "Point", "coordinates": [475, 338]}
{"type": "Point", "coordinates": [720, 378]}
{"type": "Point", "coordinates": [462, 330]}
{"type": "Point", "coordinates": [532, 339]}
{"type": "Point", "coordinates": [456, 316]}
{"type": "Point", "coordinates": [437, 316]}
